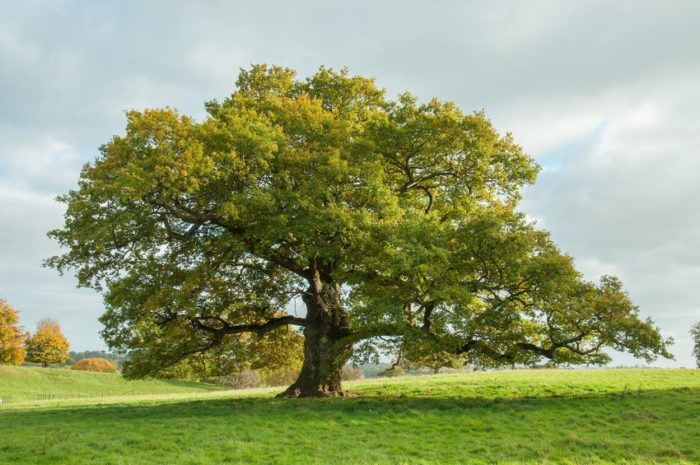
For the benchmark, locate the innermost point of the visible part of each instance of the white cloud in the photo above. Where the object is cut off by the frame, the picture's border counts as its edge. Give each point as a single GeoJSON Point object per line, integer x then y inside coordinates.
{"type": "Point", "coordinates": [38, 164]}
{"type": "Point", "coordinates": [624, 202]}
{"type": "Point", "coordinates": [39, 293]}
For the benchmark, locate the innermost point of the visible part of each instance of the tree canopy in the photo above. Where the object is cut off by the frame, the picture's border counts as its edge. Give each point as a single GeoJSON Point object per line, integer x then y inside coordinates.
{"type": "Point", "coordinates": [11, 336]}
{"type": "Point", "coordinates": [391, 219]}
{"type": "Point", "coordinates": [48, 344]}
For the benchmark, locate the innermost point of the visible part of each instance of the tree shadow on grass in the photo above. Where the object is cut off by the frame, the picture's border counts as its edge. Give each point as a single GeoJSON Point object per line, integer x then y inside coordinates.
{"type": "Point", "coordinates": [656, 426]}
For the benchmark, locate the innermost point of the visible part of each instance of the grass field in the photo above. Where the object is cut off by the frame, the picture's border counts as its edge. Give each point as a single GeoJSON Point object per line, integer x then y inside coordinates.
{"type": "Point", "coordinates": [511, 417]}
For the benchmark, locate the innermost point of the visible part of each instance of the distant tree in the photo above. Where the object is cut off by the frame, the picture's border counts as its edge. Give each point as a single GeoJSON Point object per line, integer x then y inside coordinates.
{"type": "Point", "coordinates": [94, 364]}
{"type": "Point", "coordinates": [48, 344]}
{"type": "Point", "coordinates": [695, 332]}
{"type": "Point", "coordinates": [11, 336]}
{"type": "Point", "coordinates": [387, 217]}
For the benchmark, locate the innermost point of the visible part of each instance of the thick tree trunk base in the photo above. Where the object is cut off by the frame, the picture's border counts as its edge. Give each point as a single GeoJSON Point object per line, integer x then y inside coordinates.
{"type": "Point", "coordinates": [324, 356]}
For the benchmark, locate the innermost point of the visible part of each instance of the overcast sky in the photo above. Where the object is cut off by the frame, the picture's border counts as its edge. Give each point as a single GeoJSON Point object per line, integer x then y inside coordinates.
{"type": "Point", "coordinates": [605, 95]}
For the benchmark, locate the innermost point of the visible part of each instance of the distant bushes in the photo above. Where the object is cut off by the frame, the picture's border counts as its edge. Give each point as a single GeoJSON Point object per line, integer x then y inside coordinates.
{"type": "Point", "coordinates": [350, 373]}
{"type": "Point", "coordinates": [246, 379]}
{"type": "Point", "coordinates": [94, 364]}
{"type": "Point", "coordinates": [393, 372]}
{"type": "Point", "coordinates": [116, 358]}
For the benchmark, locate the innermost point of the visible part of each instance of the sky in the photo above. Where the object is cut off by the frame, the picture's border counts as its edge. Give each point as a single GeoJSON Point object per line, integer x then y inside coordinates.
{"type": "Point", "coordinates": [604, 95]}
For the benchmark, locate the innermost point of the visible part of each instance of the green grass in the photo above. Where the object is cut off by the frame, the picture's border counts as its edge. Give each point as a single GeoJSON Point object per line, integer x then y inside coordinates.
{"type": "Point", "coordinates": [512, 417]}
{"type": "Point", "coordinates": [26, 384]}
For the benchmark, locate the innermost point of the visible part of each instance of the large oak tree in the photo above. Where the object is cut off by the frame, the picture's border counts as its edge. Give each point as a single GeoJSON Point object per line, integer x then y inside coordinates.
{"type": "Point", "coordinates": [388, 218]}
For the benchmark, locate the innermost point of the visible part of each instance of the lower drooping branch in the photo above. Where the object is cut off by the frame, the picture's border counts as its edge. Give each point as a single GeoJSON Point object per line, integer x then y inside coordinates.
{"type": "Point", "coordinates": [225, 328]}
{"type": "Point", "coordinates": [571, 344]}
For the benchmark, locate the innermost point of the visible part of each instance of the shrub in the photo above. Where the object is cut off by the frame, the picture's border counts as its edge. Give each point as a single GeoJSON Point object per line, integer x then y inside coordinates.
{"type": "Point", "coordinates": [94, 364]}
{"type": "Point", "coordinates": [349, 373]}
{"type": "Point", "coordinates": [246, 379]}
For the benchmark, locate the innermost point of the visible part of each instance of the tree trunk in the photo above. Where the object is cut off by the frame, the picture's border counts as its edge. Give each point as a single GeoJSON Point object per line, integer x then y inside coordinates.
{"type": "Point", "coordinates": [324, 355]}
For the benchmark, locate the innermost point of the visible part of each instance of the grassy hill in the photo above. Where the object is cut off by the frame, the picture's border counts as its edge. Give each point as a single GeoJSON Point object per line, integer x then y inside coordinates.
{"type": "Point", "coordinates": [511, 417]}
{"type": "Point", "coordinates": [25, 384]}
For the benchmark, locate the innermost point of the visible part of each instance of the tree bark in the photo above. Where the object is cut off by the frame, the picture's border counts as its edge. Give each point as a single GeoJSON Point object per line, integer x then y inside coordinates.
{"type": "Point", "coordinates": [324, 355]}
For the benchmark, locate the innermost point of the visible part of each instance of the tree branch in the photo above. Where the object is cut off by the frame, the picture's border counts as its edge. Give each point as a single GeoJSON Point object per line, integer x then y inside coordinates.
{"type": "Point", "coordinates": [527, 346]}
{"type": "Point", "coordinates": [199, 323]}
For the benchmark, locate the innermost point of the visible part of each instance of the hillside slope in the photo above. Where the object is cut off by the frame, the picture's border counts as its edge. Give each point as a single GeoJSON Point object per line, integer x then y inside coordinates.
{"type": "Point", "coordinates": [23, 384]}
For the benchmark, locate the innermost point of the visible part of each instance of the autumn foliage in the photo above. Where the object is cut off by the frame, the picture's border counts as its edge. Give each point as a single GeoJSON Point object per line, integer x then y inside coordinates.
{"type": "Point", "coordinates": [11, 336]}
{"type": "Point", "coordinates": [48, 345]}
{"type": "Point", "coordinates": [94, 364]}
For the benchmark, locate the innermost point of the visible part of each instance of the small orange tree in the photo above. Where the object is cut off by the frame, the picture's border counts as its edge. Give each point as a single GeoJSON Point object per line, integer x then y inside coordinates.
{"type": "Point", "coordinates": [11, 336]}
{"type": "Point", "coordinates": [94, 364]}
{"type": "Point", "coordinates": [48, 344]}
